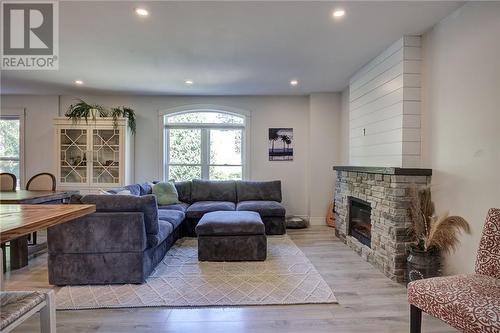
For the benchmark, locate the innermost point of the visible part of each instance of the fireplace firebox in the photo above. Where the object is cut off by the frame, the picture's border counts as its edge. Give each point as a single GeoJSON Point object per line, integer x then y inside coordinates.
{"type": "Point", "coordinates": [360, 225]}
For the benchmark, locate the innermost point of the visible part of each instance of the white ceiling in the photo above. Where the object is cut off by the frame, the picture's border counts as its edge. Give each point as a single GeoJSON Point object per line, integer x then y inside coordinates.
{"type": "Point", "coordinates": [226, 48]}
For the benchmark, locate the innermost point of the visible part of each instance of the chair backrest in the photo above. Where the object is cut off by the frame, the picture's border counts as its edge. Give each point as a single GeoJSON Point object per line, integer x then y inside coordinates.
{"type": "Point", "coordinates": [42, 182]}
{"type": "Point", "coordinates": [488, 255]}
{"type": "Point", "coordinates": [8, 182]}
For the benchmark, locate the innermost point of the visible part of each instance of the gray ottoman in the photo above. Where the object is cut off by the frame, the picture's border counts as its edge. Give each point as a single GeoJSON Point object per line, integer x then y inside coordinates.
{"type": "Point", "coordinates": [231, 236]}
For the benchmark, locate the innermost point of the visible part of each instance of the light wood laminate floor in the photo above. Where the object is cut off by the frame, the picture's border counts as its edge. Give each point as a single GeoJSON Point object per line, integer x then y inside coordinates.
{"type": "Point", "coordinates": [368, 302]}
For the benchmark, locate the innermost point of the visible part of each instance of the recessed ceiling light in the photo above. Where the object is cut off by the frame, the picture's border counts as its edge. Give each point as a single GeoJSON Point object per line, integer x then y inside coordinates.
{"type": "Point", "coordinates": [294, 83]}
{"type": "Point", "coordinates": [79, 82]}
{"type": "Point", "coordinates": [338, 13]}
{"type": "Point", "coordinates": [188, 82]}
{"type": "Point", "coordinates": [141, 12]}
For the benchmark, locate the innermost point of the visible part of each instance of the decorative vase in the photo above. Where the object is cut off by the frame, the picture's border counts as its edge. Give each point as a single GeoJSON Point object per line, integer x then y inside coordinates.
{"type": "Point", "coordinates": [422, 264]}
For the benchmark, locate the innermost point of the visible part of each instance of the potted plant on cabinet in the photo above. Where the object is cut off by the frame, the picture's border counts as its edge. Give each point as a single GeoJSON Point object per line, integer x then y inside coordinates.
{"type": "Point", "coordinates": [432, 236]}
{"type": "Point", "coordinates": [83, 110]}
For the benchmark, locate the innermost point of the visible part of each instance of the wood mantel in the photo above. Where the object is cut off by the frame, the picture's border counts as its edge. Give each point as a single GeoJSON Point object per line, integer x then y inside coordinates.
{"type": "Point", "coordinates": [386, 170]}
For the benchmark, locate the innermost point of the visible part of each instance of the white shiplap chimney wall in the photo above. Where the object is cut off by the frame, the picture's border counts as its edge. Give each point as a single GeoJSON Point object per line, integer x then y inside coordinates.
{"type": "Point", "coordinates": [384, 108]}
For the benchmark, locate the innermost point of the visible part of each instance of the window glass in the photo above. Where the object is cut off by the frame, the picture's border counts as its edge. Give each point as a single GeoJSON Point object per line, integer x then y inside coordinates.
{"type": "Point", "coordinates": [206, 145]}
{"type": "Point", "coordinates": [10, 146]}
{"type": "Point", "coordinates": [205, 117]}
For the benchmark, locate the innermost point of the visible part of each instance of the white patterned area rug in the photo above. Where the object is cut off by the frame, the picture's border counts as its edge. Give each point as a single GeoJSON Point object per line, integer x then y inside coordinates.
{"type": "Point", "coordinates": [180, 280]}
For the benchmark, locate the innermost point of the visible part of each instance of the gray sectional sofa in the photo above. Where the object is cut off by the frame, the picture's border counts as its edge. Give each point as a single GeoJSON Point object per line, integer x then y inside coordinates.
{"type": "Point", "coordinates": [128, 235]}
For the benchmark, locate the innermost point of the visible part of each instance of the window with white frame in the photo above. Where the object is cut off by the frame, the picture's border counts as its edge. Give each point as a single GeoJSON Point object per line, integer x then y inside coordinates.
{"type": "Point", "coordinates": [11, 129]}
{"type": "Point", "coordinates": [204, 144]}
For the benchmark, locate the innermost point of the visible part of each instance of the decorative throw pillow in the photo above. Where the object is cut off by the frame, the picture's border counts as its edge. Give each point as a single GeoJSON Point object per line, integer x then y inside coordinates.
{"type": "Point", "coordinates": [124, 192]}
{"type": "Point", "coordinates": [166, 193]}
{"type": "Point", "coordinates": [115, 192]}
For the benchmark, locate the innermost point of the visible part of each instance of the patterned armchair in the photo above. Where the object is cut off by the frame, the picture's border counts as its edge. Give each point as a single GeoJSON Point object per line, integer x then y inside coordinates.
{"type": "Point", "coordinates": [470, 302]}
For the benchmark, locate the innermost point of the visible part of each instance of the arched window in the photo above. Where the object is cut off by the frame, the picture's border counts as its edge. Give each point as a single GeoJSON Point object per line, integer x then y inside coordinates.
{"type": "Point", "coordinates": [204, 144]}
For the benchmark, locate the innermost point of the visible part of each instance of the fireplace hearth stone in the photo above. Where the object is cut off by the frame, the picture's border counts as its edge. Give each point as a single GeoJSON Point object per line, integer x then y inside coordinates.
{"type": "Point", "coordinates": [386, 190]}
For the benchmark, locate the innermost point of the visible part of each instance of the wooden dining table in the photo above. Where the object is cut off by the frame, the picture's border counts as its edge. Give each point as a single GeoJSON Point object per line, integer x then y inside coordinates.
{"type": "Point", "coordinates": [19, 248]}
{"type": "Point", "coordinates": [34, 197]}
{"type": "Point", "coordinates": [18, 221]}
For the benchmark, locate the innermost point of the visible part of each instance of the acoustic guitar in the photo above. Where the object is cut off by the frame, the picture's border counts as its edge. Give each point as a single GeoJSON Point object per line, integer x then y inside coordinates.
{"type": "Point", "coordinates": [330, 216]}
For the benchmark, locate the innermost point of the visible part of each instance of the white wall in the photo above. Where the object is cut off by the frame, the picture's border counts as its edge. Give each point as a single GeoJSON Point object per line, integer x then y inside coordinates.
{"type": "Point", "coordinates": [461, 119]}
{"type": "Point", "coordinates": [308, 181]}
{"type": "Point", "coordinates": [344, 128]}
{"type": "Point", "coordinates": [324, 152]}
{"type": "Point", "coordinates": [39, 133]}
{"type": "Point", "coordinates": [385, 108]}
{"type": "Point", "coordinates": [266, 112]}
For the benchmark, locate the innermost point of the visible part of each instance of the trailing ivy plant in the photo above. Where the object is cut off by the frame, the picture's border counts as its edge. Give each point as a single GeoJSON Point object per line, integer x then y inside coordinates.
{"type": "Point", "coordinates": [83, 110]}
{"type": "Point", "coordinates": [126, 113]}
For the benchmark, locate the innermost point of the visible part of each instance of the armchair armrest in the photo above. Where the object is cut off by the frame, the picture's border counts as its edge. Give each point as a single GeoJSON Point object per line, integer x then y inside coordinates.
{"type": "Point", "coordinates": [99, 233]}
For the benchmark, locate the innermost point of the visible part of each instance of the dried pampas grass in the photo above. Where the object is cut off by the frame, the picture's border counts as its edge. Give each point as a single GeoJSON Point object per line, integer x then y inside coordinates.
{"type": "Point", "coordinates": [430, 231]}
{"type": "Point", "coordinates": [444, 232]}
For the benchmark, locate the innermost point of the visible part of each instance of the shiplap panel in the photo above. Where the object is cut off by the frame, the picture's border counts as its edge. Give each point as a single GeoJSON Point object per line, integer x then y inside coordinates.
{"type": "Point", "coordinates": [384, 117]}
{"type": "Point", "coordinates": [412, 53]}
{"type": "Point", "coordinates": [411, 134]}
{"type": "Point", "coordinates": [412, 66]}
{"type": "Point", "coordinates": [411, 107]}
{"type": "Point", "coordinates": [410, 161]}
{"type": "Point", "coordinates": [385, 113]}
{"type": "Point", "coordinates": [381, 103]}
{"type": "Point", "coordinates": [381, 91]}
{"type": "Point", "coordinates": [391, 148]}
{"type": "Point", "coordinates": [377, 138]}
{"type": "Point", "coordinates": [386, 76]}
{"type": "Point", "coordinates": [380, 126]}
{"type": "Point", "coordinates": [412, 41]}
{"type": "Point", "coordinates": [381, 160]}
{"type": "Point", "coordinates": [411, 121]}
{"type": "Point", "coordinates": [393, 60]}
{"type": "Point", "coordinates": [378, 59]}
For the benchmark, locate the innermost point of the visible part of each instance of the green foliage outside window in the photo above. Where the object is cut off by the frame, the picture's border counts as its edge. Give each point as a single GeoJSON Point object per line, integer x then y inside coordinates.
{"type": "Point", "coordinates": [9, 146]}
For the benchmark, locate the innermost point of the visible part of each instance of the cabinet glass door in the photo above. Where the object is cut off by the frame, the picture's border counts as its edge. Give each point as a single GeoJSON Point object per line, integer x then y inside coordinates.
{"type": "Point", "coordinates": [106, 156]}
{"type": "Point", "coordinates": [73, 159]}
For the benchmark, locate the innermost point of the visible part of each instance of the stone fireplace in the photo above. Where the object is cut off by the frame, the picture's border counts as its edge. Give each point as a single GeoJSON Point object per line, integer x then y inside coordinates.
{"type": "Point", "coordinates": [371, 205]}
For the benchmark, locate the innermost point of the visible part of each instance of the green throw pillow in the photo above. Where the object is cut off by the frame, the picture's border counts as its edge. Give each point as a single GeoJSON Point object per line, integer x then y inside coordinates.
{"type": "Point", "coordinates": [166, 194]}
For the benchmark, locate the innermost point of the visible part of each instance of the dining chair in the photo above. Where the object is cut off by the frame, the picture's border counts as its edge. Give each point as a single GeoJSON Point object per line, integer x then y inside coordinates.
{"type": "Point", "coordinates": [40, 182]}
{"type": "Point", "coordinates": [8, 182]}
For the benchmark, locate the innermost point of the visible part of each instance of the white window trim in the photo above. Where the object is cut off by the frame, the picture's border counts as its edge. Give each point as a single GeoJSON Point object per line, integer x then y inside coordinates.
{"type": "Point", "coordinates": [18, 113]}
{"type": "Point", "coordinates": [163, 163]}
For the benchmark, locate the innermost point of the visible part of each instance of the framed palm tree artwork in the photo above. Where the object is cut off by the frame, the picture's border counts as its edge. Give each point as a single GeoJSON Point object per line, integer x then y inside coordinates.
{"type": "Point", "coordinates": [280, 144]}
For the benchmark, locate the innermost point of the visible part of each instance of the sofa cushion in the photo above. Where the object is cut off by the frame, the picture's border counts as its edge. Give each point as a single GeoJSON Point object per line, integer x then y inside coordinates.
{"type": "Point", "coordinates": [165, 229]}
{"type": "Point", "coordinates": [470, 303]}
{"type": "Point", "coordinates": [134, 189]}
{"type": "Point", "coordinates": [127, 203]}
{"type": "Point", "coordinates": [207, 190]}
{"type": "Point", "coordinates": [184, 191]}
{"type": "Point", "coordinates": [198, 209]}
{"type": "Point", "coordinates": [264, 208]}
{"type": "Point", "coordinates": [146, 188]}
{"type": "Point", "coordinates": [230, 224]}
{"type": "Point", "coordinates": [166, 193]}
{"type": "Point", "coordinates": [181, 206]}
{"type": "Point", "coordinates": [174, 217]}
{"type": "Point", "coordinates": [250, 190]}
